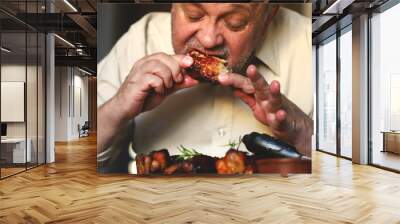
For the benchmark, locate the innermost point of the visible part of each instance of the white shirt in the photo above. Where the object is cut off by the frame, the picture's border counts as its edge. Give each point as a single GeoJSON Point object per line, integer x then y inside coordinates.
{"type": "Point", "coordinates": [207, 116]}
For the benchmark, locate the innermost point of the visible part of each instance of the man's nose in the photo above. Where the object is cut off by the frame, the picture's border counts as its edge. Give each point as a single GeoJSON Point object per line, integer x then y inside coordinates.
{"type": "Point", "coordinates": [209, 35]}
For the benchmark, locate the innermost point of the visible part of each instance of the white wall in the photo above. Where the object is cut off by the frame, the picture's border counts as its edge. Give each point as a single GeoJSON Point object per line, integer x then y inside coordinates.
{"type": "Point", "coordinates": [71, 94]}
{"type": "Point", "coordinates": [33, 127]}
{"type": "Point", "coordinates": [61, 103]}
{"type": "Point", "coordinates": [14, 72]}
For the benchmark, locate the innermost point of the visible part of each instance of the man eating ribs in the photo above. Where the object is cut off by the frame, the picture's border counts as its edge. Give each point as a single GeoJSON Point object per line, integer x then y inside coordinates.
{"type": "Point", "coordinates": [259, 54]}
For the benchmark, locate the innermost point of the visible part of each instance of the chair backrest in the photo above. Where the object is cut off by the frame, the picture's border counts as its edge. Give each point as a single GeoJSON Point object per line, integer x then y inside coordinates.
{"type": "Point", "coordinates": [86, 125]}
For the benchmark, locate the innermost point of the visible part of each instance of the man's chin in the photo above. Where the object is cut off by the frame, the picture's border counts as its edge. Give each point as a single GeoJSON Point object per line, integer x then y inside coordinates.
{"type": "Point", "coordinates": [239, 68]}
{"type": "Point", "coordinates": [242, 65]}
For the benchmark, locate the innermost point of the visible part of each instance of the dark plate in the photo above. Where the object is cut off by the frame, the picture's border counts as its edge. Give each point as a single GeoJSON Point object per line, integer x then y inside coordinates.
{"type": "Point", "coordinates": [283, 165]}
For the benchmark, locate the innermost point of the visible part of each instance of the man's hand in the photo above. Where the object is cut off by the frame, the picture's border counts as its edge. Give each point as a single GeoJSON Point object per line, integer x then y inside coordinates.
{"type": "Point", "coordinates": [150, 80]}
{"type": "Point", "coordinates": [270, 107]}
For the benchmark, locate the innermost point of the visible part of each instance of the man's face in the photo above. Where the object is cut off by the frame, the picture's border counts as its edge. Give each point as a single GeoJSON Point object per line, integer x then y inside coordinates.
{"type": "Point", "coordinates": [229, 31]}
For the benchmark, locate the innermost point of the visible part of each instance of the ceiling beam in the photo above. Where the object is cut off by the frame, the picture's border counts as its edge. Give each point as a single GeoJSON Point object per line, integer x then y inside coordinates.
{"type": "Point", "coordinates": [84, 24]}
{"type": "Point", "coordinates": [83, 61]}
{"type": "Point", "coordinates": [337, 7]}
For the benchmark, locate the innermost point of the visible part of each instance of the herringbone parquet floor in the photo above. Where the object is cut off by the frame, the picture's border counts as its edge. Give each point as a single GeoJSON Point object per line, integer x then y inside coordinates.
{"type": "Point", "coordinates": [70, 191]}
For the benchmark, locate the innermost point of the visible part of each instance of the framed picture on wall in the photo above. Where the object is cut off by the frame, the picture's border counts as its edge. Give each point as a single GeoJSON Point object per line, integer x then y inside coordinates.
{"type": "Point", "coordinates": [205, 88]}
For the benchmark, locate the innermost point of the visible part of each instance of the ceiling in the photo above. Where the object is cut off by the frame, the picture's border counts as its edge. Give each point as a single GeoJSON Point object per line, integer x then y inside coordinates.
{"type": "Point", "coordinates": [76, 22]}
{"type": "Point", "coordinates": [73, 20]}
{"type": "Point", "coordinates": [332, 15]}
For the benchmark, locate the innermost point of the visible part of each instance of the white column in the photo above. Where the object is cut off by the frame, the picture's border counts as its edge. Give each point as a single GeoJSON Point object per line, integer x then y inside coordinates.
{"type": "Point", "coordinates": [50, 92]}
{"type": "Point", "coordinates": [360, 90]}
{"type": "Point", "coordinates": [50, 99]}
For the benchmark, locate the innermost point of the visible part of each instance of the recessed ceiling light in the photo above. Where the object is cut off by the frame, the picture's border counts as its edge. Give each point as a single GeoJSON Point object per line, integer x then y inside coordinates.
{"type": "Point", "coordinates": [65, 41]}
{"type": "Point", "coordinates": [70, 5]}
{"type": "Point", "coordinates": [5, 50]}
{"type": "Point", "coordinates": [84, 71]}
{"type": "Point", "coordinates": [337, 7]}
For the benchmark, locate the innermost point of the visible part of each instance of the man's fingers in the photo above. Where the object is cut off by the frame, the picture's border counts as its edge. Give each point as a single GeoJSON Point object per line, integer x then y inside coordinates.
{"type": "Point", "coordinates": [275, 88]}
{"type": "Point", "coordinates": [275, 97]}
{"type": "Point", "coordinates": [281, 115]}
{"type": "Point", "coordinates": [186, 83]}
{"type": "Point", "coordinates": [259, 83]}
{"type": "Point", "coordinates": [237, 81]}
{"type": "Point", "coordinates": [154, 82]}
{"type": "Point", "coordinates": [274, 102]}
{"type": "Point", "coordinates": [278, 121]}
{"type": "Point", "coordinates": [246, 98]}
{"type": "Point", "coordinates": [158, 68]}
{"type": "Point", "coordinates": [172, 64]}
{"type": "Point", "coordinates": [184, 61]}
{"type": "Point", "coordinates": [175, 63]}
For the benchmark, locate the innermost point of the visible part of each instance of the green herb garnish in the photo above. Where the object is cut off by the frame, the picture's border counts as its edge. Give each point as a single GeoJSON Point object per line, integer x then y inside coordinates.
{"type": "Point", "coordinates": [233, 144]}
{"type": "Point", "coordinates": [187, 153]}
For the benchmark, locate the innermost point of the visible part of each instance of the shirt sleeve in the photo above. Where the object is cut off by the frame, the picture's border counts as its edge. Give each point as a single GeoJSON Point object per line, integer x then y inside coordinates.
{"type": "Point", "coordinates": [107, 84]}
{"type": "Point", "coordinates": [112, 71]}
{"type": "Point", "coordinates": [132, 46]}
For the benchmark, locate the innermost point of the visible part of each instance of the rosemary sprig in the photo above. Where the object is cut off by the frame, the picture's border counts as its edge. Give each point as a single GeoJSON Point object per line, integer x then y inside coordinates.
{"type": "Point", "coordinates": [187, 153]}
{"type": "Point", "coordinates": [233, 144]}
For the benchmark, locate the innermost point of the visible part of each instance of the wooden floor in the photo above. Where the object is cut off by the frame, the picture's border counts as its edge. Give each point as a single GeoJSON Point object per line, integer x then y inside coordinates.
{"type": "Point", "coordinates": [70, 191]}
{"type": "Point", "coordinates": [10, 171]}
{"type": "Point", "coordinates": [387, 159]}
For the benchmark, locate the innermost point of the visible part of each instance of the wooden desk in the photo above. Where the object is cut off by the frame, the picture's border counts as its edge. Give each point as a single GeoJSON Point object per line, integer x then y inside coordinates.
{"type": "Point", "coordinates": [391, 141]}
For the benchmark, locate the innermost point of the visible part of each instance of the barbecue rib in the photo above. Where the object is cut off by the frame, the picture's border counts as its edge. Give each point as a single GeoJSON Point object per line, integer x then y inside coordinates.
{"type": "Point", "coordinates": [206, 68]}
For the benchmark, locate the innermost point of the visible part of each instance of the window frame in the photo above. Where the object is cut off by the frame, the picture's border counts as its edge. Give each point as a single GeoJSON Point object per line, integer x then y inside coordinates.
{"type": "Point", "coordinates": [334, 37]}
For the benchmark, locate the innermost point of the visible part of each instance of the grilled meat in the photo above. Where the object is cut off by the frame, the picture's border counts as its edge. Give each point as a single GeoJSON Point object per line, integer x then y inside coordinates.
{"type": "Point", "coordinates": [174, 168]}
{"type": "Point", "coordinates": [143, 164]}
{"type": "Point", "coordinates": [232, 163]}
{"type": "Point", "coordinates": [203, 164]}
{"type": "Point", "coordinates": [206, 68]}
{"type": "Point", "coordinates": [162, 157]}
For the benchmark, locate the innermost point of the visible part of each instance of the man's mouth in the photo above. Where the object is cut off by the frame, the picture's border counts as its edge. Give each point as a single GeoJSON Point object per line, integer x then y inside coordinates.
{"type": "Point", "coordinates": [219, 54]}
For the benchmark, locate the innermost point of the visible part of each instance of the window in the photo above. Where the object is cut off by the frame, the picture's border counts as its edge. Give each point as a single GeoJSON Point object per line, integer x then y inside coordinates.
{"type": "Point", "coordinates": [327, 96]}
{"type": "Point", "coordinates": [385, 88]}
{"type": "Point", "coordinates": [346, 93]}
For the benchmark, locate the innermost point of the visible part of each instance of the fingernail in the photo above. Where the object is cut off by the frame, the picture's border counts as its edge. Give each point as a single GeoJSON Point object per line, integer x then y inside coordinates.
{"type": "Point", "coordinates": [187, 60]}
